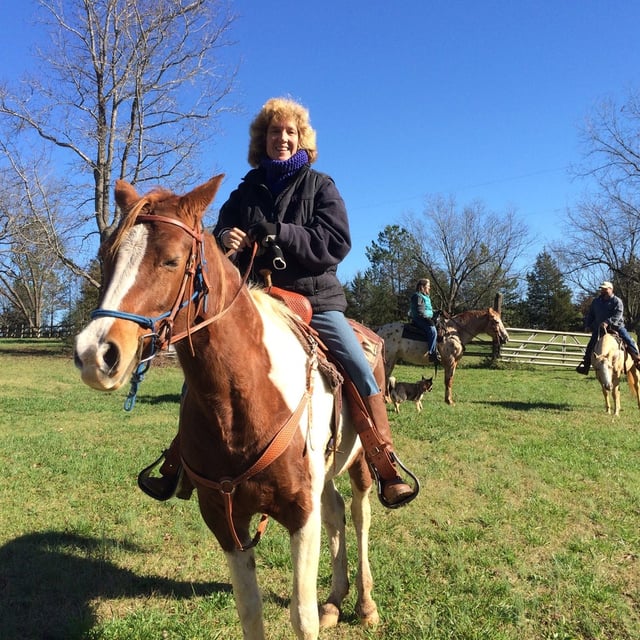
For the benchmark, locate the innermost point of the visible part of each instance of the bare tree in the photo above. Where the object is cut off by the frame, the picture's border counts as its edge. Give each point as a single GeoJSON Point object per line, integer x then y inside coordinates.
{"type": "Point", "coordinates": [602, 239]}
{"type": "Point", "coordinates": [126, 89]}
{"type": "Point", "coordinates": [29, 268]}
{"type": "Point", "coordinates": [469, 252]}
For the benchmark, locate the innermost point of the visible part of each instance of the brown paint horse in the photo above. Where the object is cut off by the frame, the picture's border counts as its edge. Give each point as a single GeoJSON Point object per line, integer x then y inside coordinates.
{"type": "Point", "coordinates": [251, 381]}
{"type": "Point", "coordinates": [609, 361]}
{"type": "Point", "coordinates": [453, 334]}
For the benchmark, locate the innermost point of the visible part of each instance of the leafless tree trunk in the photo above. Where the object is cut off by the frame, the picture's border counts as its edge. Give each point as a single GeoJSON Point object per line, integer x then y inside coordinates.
{"type": "Point", "coordinates": [602, 239]}
{"type": "Point", "coordinates": [470, 252]}
{"type": "Point", "coordinates": [126, 89]}
{"type": "Point", "coordinates": [29, 266]}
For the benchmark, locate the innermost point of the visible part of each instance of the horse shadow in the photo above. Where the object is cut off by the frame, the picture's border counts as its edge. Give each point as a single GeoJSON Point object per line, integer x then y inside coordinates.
{"type": "Point", "coordinates": [518, 405]}
{"type": "Point", "coordinates": [48, 581]}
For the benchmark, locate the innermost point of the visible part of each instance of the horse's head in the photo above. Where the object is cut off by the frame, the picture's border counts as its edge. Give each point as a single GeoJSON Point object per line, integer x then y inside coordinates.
{"type": "Point", "coordinates": [607, 359]}
{"type": "Point", "coordinates": [151, 270]}
{"type": "Point", "coordinates": [496, 328]}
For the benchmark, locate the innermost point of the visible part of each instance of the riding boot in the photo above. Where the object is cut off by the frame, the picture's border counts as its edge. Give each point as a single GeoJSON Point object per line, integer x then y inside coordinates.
{"type": "Point", "coordinates": [172, 481]}
{"type": "Point", "coordinates": [372, 424]}
{"type": "Point", "coordinates": [585, 365]}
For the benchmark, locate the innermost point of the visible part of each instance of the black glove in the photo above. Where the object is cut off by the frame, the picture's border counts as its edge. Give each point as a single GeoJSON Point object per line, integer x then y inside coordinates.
{"type": "Point", "coordinates": [263, 232]}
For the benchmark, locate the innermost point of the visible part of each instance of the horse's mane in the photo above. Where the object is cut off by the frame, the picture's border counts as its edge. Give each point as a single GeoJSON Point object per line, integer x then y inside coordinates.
{"type": "Point", "coordinates": [146, 203]}
{"type": "Point", "coordinates": [471, 313]}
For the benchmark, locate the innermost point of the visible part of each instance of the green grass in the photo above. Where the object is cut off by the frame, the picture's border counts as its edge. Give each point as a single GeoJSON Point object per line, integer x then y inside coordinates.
{"type": "Point", "coordinates": [527, 526]}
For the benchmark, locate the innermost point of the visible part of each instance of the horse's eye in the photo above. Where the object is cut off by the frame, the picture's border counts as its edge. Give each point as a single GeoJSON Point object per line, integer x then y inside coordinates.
{"type": "Point", "coordinates": [171, 263]}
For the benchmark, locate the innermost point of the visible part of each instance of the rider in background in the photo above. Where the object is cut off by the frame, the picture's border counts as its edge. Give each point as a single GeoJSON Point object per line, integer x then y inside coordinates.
{"type": "Point", "coordinates": [422, 315]}
{"type": "Point", "coordinates": [608, 309]}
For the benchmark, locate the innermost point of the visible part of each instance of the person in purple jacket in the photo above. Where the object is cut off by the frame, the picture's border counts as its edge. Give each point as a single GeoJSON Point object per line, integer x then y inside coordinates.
{"type": "Point", "coordinates": [282, 201]}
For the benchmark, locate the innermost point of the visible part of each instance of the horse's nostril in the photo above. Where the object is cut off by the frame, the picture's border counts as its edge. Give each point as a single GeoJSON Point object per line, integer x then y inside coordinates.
{"type": "Point", "coordinates": [76, 360]}
{"type": "Point", "coordinates": [112, 356]}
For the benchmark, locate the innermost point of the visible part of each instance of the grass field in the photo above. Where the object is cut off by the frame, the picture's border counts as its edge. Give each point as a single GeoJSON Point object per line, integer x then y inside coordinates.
{"type": "Point", "coordinates": [527, 526]}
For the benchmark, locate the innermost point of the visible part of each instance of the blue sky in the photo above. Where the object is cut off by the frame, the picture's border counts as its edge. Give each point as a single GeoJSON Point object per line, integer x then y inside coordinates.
{"type": "Point", "coordinates": [479, 99]}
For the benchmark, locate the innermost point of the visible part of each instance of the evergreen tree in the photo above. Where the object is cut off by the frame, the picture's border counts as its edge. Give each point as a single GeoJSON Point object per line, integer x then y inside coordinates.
{"type": "Point", "coordinates": [382, 293]}
{"type": "Point", "coordinates": [548, 303]}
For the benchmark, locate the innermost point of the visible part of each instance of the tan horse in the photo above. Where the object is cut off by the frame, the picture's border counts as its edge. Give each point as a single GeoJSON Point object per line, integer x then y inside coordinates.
{"type": "Point", "coordinates": [609, 361]}
{"type": "Point", "coordinates": [258, 430]}
{"type": "Point", "coordinates": [453, 334]}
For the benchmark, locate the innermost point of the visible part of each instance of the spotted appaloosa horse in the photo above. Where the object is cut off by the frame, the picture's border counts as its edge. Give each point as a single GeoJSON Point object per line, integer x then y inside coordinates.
{"type": "Point", "coordinates": [609, 361]}
{"type": "Point", "coordinates": [453, 334]}
{"type": "Point", "coordinates": [258, 429]}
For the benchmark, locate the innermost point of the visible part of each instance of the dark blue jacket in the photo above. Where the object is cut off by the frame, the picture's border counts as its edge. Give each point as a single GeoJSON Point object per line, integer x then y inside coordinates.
{"type": "Point", "coordinates": [605, 310]}
{"type": "Point", "coordinates": [313, 232]}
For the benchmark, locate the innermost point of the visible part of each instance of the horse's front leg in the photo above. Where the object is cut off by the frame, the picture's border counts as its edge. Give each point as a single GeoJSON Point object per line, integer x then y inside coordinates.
{"type": "Point", "coordinates": [449, 373]}
{"type": "Point", "coordinates": [305, 555]}
{"type": "Point", "coordinates": [615, 392]}
{"type": "Point", "coordinates": [607, 403]}
{"type": "Point", "coordinates": [366, 607]}
{"type": "Point", "coordinates": [242, 567]}
{"type": "Point", "coordinates": [333, 520]}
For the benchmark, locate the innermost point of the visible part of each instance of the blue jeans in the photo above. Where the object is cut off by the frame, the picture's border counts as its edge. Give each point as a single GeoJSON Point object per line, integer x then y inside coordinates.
{"type": "Point", "coordinates": [336, 332]}
{"type": "Point", "coordinates": [429, 328]}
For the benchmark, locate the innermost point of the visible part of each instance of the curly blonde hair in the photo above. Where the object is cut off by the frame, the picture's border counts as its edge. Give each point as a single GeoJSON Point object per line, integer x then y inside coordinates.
{"type": "Point", "coordinates": [281, 109]}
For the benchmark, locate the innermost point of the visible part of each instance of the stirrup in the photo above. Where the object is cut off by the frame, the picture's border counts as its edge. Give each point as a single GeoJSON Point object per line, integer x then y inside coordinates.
{"type": "Point", "coordinates": [173, 483]}
{"type": "Point", "coordinates": [379, 485]}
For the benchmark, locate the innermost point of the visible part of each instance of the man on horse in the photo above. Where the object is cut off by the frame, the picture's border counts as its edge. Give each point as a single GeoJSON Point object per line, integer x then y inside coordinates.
{"type": "Point", "coordinates": [608, 309]}
{"type": "Point", "coordinates": [422, 315]}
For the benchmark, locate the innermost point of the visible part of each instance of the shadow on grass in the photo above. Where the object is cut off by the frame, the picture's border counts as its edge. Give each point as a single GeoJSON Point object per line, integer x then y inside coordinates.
{"type": "Point", "coordinates": [517, 405]}
{"type": "Point", "coordinates": [160, 399]}
{"type": "Point", "coordinates": [48, 580]}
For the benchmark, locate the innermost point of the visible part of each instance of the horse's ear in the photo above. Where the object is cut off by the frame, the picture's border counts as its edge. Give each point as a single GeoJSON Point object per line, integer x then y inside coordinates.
{"type": "Point", "coordinates": [126, 195]}
{"type": "Point", "coordinates": [195, 202]}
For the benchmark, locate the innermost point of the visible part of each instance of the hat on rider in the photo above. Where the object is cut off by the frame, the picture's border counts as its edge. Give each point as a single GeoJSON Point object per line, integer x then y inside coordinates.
{"type": "Point", "coordinates": [606, 285]}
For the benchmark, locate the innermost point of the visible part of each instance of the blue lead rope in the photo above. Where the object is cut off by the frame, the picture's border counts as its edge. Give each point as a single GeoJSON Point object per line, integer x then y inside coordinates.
{"type": "Point", "coordinates": [136, 378]}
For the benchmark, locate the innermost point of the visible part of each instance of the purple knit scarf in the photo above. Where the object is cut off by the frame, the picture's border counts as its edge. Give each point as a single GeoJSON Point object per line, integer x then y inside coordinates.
{"type": "Point", "coordinates": [278, 172]}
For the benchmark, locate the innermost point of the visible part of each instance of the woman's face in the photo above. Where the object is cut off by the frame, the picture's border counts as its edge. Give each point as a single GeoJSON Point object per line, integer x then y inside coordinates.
{"type": "Point", "coordinates": [282, 139]}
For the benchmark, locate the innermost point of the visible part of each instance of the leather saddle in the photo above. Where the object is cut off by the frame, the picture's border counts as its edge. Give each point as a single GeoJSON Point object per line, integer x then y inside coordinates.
{"type": "Point", "coordinates": [413, 332]}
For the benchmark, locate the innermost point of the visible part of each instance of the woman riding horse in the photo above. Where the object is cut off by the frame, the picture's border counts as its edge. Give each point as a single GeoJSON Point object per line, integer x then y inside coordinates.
{"type": "Point", "coordinates": [283, 202]}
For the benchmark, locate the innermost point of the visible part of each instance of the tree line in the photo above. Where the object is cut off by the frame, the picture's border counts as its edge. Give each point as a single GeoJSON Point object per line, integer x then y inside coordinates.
{"type": "Point", "coordinates": [382, 293]}
{"type": "Point", "coordinates": [134, 90]}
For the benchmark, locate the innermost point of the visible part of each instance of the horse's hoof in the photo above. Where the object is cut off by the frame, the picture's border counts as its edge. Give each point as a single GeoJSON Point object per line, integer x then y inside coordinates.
{"type": "Point", "coordinates": [329, 615]}
{"type": "Point", "coordinates": [368, 615]}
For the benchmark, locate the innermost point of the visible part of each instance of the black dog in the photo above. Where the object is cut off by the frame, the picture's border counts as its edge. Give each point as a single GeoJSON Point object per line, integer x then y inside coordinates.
{"type": "Point", "coordinates": [401, 391]}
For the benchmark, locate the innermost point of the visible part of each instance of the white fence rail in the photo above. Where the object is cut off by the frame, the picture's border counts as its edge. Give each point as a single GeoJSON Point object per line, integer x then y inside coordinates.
{"type": "Point", "coordinates": [552, 348]}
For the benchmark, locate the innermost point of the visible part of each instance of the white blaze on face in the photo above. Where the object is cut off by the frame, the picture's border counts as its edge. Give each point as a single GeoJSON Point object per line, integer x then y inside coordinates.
{"type": "Point", "coordinates": [130, 256]}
